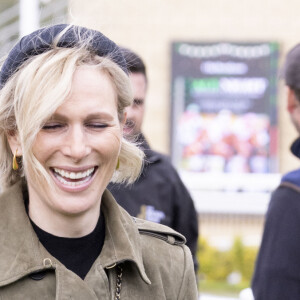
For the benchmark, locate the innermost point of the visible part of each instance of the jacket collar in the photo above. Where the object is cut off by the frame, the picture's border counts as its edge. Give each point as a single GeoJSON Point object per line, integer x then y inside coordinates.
{"type": "Point", "coordinates": [295, 147]}
{"type": "Point", "coordinates": [151, 156]}
{"type": "Point", "coordinates": [22, 253]}
{"type": "Point", "coordinates": [122, 239]}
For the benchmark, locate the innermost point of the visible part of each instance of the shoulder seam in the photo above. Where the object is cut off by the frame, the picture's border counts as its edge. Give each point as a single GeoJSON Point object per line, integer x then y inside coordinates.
{"type": "Point", "coordinates": [290, 185]}
{"type": "Point", "coordinates": [170, 239]}
{"type": "Point", "coordinates": [159, 231]}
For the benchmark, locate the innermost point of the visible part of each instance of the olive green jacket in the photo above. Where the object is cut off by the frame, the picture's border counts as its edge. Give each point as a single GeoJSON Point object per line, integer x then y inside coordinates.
{"type": "Point", "coordinates": [156, 264]}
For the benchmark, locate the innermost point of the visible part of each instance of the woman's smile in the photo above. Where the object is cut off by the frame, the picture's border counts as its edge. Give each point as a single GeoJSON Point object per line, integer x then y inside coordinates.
{"type": "Point", "coordinates": [73, 180]}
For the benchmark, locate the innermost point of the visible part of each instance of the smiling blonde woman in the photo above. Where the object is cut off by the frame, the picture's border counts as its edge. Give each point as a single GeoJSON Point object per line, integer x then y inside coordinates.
{"type": "Point", "coordinates": [64, 91]}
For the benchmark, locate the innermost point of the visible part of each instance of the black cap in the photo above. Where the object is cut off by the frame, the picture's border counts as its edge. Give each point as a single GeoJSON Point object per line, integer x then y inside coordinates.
{"type": "Point", "coordinates": [41, 41]}
{"type": "Point", "coordinates": [291, 68]}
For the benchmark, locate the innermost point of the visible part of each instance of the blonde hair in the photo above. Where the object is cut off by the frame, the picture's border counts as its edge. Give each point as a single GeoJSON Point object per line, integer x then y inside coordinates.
{"type": "Point", "coordinates": [33, 94]}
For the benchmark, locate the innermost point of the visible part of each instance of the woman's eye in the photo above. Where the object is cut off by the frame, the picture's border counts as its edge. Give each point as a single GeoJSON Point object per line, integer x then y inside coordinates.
{"type": "Point", "coordinates": [52, 126]}
{"type": "Point", "coordinates": [96, 125]}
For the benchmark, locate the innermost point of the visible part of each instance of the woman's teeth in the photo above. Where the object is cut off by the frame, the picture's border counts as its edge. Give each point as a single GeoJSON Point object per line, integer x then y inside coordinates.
{"type": "Point", "coordinates": [74, 175]}
{"type": "Point", "coordinates": [63, 175]}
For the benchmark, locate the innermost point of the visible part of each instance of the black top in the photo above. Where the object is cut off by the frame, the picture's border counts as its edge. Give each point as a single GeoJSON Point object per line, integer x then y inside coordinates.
{"type": "Point", "coordinates": [160, 196]}
{"type": "Point", "coordinates": [77, 254]}
{"type": "Point", "coordinates": [277, 272]}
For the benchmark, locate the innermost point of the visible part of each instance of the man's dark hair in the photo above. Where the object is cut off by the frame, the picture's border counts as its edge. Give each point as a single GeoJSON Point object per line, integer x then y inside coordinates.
{"type": "Point", "coordinates": [133, 62]}
{"type": "Point", "coordinates": [291, 70]}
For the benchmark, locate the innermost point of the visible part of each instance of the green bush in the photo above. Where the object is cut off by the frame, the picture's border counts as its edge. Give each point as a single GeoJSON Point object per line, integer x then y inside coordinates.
{"type": "Point", "coordinates": [214, 264]}
{"type": "Point", "coordinates": [217, 265]}
{"type": "Point", "coordinates": [249, 258]}
{"type": "Point", "coordinates": [237, 253]}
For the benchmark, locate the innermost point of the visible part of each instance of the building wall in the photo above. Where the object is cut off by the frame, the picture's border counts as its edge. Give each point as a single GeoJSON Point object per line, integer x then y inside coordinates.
{"type": "Point", "coordinates": [220, 230]}
{"type": "Point", "coordinates": [149, 26]}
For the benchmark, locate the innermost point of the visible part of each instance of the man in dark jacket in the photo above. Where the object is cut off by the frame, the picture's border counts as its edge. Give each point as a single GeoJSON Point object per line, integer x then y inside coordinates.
{"type": "Point", "coordinates": [277, 273]}
{"type": "Point", "coordinates": [158, 195]}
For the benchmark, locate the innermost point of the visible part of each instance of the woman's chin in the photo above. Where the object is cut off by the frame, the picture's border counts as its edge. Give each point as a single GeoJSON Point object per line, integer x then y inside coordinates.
{"type": "Point", "coordinates": [75, 207]}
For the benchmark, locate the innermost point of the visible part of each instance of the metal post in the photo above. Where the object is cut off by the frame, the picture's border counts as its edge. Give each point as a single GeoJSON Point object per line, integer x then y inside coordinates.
{"type": "Point", "coordinates": [29, 16]}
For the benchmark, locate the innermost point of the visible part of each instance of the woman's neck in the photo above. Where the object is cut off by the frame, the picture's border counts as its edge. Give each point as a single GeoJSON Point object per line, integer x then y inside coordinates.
{"type": "Point", "coordinates": [63, 225]}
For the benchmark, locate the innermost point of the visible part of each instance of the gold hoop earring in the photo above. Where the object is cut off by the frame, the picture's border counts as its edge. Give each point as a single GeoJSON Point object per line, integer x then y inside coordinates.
{"type": "Point", "coordinates": [15, 163]}
{"type": "Point", "coordinates": [118, 164]}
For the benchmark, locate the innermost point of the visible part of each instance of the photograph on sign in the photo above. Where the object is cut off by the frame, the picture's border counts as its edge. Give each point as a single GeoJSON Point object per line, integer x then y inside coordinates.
{"type": "Point", "coordinates": [224, 114]}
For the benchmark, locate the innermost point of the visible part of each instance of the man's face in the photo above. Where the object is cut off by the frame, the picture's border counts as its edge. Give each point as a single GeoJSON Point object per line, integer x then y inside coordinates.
{"type": "Point", "coordinates": [135, 113]}
{"type": "Point", "coordinates": [295, 117]}
{"type": "Point", "coordinates": [293, 107]}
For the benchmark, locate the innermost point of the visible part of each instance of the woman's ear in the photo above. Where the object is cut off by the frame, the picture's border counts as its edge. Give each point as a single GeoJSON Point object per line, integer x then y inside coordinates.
{"type": "Point", "coordinates": [14, 143]}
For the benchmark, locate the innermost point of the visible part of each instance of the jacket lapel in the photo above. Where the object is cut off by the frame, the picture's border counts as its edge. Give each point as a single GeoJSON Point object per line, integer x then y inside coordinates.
{"type": "Point", "coordinates": [122, 239]}
{"type": "Point", "coordinates": [21, 252]}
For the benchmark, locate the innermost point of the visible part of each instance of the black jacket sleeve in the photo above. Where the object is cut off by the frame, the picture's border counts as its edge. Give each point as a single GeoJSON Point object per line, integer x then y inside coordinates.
{"type": "Point", "coordinates": [277, 272]}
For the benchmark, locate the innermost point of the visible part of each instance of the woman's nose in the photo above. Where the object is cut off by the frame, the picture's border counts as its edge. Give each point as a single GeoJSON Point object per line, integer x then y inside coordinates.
{"type": "Point", "coordinates": [76, 144]}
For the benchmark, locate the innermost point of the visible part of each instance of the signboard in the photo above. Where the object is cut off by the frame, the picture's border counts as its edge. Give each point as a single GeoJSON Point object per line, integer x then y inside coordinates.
{"type": "Point", "coordinates": [224, 113]}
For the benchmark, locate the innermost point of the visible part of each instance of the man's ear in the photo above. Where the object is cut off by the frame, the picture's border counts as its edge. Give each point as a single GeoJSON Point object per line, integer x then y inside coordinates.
{"type": "Point", "coordinates": [292, 101]}
{"type": "Point", "coordinates": [124, 119]}
{"type": "Point", "coordinates": [14, 143]}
